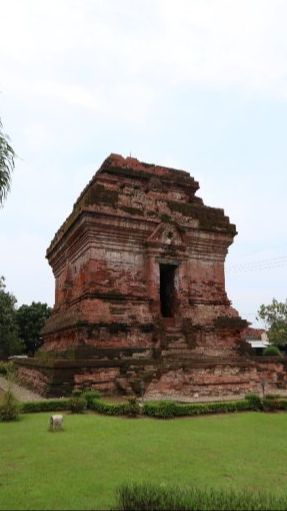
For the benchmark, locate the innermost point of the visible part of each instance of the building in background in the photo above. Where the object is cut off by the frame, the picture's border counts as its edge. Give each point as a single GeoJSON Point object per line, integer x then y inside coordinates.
{"type": "Point", "coordinates": [257, 338]}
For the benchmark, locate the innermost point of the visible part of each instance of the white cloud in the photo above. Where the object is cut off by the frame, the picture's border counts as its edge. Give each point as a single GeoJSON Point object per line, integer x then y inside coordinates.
{"type": "Point", "coordinates": [82, 78]}
{"type": "Point", "coordinates": [77, 50]}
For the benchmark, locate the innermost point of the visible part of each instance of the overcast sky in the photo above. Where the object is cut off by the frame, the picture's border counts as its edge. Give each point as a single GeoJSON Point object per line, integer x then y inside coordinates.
{"type": "Point", "coordinates": [195, 84]}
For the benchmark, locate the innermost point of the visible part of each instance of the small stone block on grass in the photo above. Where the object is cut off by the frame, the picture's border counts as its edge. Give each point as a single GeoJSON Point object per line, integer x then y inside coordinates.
{"type": "Point", "coordinates": [56, 423]}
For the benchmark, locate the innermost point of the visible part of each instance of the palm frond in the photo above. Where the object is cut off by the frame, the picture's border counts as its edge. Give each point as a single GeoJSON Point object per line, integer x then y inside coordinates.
{"type": "Point", "coordinates": [7, 163]}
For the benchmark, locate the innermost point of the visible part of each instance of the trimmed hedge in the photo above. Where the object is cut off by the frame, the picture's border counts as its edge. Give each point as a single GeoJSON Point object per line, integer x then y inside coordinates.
{"type": "Point", "coordinates": [90, 395]}
{"type": "Point", "coordinates": [170, 409]}
{"type": "Point", "coordinates": [107, 408]}
{"type": "Point", "coordinates": [50, 405]}
{"type": "Point", "coordinates": [78, 404]}
{"type": "Point", "coordinates": [161, 409]}
{"type": "Point", "coordinates": [157, 409]}
{"type": "Point", "coordinates": [254, 400]}
{"type": "Point", "coordinates": [151, 497]}
{"type": "Point", "coordinates": [131, 409]}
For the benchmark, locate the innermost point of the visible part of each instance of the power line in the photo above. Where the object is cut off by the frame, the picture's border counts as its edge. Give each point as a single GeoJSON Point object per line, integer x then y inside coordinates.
{"type": "Point", "coordinates": [263, 264]}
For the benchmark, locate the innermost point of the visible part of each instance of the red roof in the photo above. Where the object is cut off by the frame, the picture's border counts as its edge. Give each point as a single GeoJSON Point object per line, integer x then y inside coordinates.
{"type": "Point", "coordinates": [253, 333]}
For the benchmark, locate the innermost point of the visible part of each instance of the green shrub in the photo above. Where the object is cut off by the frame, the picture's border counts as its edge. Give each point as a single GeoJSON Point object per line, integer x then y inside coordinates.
{"type": "Point", "coordinates": [272, 351]}
{"type": "Point", "coordinates": [6, 367]}
{"type": "Point", "coordinates": [157, 409]}
{"type": "Point", "coordinates": [133, 408]}
{"type": "Point", "coordinates": [168, 409]}
{"type": "Point", "coordinates": [78, 404]}
{"type": "Point", "coordinates": [271, 404]}
{"type": "Point", "coordinates": [90, 395]}
{"type": "Point", "coordinates": [254, 400]}
{"type": "Point", "coordinates": [221, 407]}
{"type": "Point", "coordinates": [107, 408]}
{"type": "Point", "coordinates": [77, 393]}
{"type": "Point", "coordinates": [282, 404]}
{"type": "Point", "coordinates": [9, 409]}
{"type": "Point", "coordinates": [130, 409]}
{"type": "Point", "coordinates": [49, 405]}
{"type": "Point", "coordinates": [150, 497]}
{"type": "Point", "coordinates": [161, 409]}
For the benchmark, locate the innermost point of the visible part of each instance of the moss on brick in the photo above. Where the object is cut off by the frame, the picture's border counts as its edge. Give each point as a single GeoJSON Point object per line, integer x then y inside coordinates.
{"type": "Point", "coordinates": [181, 177]}
{"type": "Point", "coordinates": [209, 218]}
{"type": "Point", "coordinates": [166, 218]}
{"type": "Point", "coordinates": [132, 211]}
{"type": "Point", "coordinates": [226, 322]}
{"type": "Point", "coordinates": [99, 194]}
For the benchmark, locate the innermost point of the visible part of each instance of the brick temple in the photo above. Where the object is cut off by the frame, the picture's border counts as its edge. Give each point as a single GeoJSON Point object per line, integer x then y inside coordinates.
{"type": "Point", "coordinates": [140, 299]}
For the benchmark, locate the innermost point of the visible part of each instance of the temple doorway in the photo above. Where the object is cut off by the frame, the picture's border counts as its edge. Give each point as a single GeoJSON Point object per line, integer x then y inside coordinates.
{"type": "Point", "coordinates": [167, 290]}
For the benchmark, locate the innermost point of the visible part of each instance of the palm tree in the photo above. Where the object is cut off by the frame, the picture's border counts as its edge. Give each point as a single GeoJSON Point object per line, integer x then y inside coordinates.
{"type": "Point", "coordinates": [7, 156]}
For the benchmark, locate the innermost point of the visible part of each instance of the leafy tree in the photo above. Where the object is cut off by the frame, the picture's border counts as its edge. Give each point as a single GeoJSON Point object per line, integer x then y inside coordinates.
{"type": "Point", "coordinates": [30, 321]}
{"type": "Point", "coordinates": [7, 156]}
{"type": "Point", "coordinates": [275, 318]}
{"type": "Point", "coordinates": [9, 341]}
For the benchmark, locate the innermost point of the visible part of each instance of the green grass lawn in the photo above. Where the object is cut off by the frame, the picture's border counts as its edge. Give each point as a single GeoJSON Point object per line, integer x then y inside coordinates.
{"type": "Point", "coordinates": [81, 467]}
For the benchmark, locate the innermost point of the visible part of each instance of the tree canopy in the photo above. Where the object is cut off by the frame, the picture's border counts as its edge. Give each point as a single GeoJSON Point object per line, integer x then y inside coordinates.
{"type": "Point", "coordinates": [9, 341]}
{"type": "Point", "coordinates": [30, 321]}
{"type": "Point", "coordinates": [7, 156]}
{"type": "Point", "coordinates": [20, 329]}
{"type": "Point", "coordinates": [274, 316]}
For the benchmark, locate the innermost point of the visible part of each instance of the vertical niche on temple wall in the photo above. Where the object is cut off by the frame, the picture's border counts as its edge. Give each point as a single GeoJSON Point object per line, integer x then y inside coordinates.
{"type": "Point", "coordinates": [167, 290]}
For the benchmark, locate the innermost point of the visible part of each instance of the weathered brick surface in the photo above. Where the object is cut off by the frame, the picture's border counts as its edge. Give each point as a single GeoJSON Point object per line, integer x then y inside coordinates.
{"type": "Point", "coordinates": [34, 379]}
{"type": "Point", "coordinates": [131, 218]}
{"type": "Point", "coordinates": [103, 379]}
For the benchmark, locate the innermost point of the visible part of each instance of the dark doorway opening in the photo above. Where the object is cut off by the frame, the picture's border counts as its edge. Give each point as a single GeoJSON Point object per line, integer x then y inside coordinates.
{"type": "Point", "coordinates": [167, 290]}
